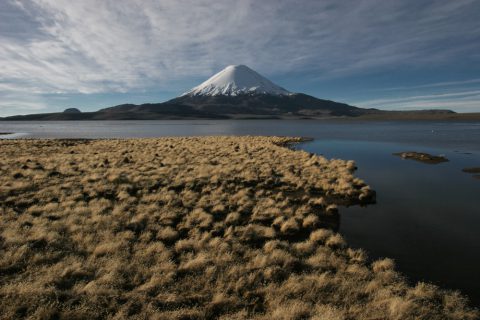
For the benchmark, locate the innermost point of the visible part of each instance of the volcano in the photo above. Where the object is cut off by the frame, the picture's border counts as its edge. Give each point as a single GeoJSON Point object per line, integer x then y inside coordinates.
{"type": "Point", "coordinates": [236, 80]}
{"type": "Point", "coordinates": [240, 92]}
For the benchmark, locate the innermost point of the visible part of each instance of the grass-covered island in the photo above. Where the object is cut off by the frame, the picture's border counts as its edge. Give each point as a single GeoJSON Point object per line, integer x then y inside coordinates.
{"type": "Point", "coordinates": [191, 228]}
{"type": "Point", "coordinates": [475, 171]}
{"type": "Point", "coordinates": [421, 157]}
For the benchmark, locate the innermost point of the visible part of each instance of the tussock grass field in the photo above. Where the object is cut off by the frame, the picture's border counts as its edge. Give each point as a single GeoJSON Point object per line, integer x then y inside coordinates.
{"type": "Point", "coordinates": [191, 228]}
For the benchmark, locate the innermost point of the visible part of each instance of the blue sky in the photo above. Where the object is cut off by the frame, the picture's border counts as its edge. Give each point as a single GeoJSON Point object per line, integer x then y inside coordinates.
{"type": "Point", "coordinates": [385, 54]}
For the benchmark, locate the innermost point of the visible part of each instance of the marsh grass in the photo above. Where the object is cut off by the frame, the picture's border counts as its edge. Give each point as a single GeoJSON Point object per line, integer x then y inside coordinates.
{"type": "Point", "coordinates": [190, 228]}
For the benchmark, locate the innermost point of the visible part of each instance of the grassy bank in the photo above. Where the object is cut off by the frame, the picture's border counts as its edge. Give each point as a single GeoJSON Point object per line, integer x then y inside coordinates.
{"type": "Point", "coordinates": [190, 228]}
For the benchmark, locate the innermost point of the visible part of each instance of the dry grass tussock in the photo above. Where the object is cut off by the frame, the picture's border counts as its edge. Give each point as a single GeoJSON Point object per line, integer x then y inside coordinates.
{"type": "Point", "coordinates": [190, 228]}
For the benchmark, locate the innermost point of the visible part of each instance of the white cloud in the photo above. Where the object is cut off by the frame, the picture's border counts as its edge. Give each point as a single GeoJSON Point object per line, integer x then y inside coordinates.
{"type": "Point", "coordinates": [15, 102]}
{"type": "Point", "coordinates": [464, 101]}
{"type": "Point", "coordinates": [422, 97]}
{"type": "Point", "coordinates": [433, 85]}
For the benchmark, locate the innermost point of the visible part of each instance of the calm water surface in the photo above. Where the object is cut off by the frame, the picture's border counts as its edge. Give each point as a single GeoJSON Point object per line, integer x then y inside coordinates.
{"type": "Point", "coordinates": [427, 217]}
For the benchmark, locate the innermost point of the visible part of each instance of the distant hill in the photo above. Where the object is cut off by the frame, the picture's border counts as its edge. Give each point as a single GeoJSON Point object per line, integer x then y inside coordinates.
{"type": "Point", "coordinates": [72, 110]}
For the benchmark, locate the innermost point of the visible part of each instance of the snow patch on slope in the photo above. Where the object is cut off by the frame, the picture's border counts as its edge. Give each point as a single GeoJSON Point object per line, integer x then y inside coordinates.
{"type": "Point", "coordinates": [236, 80]}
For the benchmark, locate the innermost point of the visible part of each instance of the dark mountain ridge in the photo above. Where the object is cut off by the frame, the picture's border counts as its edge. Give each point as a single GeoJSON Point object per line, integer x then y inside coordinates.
{"type": "Point", "coordinates": [216, 107]}
{"type": "Point", "coordinates": [236, 92]}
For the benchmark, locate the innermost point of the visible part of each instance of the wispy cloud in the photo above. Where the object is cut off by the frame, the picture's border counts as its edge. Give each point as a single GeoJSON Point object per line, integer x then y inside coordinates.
{"type": "Point", "coordinates": [92, 46]}
{"type": "Point", "coordinates": [466, 101]}
{"type": "Point", "coordinates": [423, 97]}
{"type": "Point", "coordinates": [15, 102]}
{"type": "Point", "coordinates": [433, 85]}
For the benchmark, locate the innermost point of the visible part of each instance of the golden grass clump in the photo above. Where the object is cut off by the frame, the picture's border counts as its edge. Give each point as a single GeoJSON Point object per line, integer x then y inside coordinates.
{"type": "Point", "coordinates": [191, 228]}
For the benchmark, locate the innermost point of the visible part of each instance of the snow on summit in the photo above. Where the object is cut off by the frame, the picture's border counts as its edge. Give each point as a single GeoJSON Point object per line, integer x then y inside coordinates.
{"type": "Point", "coordinates": [236, 80]}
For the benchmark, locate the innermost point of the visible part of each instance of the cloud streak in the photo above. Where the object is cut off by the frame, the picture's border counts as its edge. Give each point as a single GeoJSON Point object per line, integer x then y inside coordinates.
{"type": "Point", "coordinates": [91, 46]}
{"type": "Point", "coordinates": [466, 101]}
{"type": "Point", "coordinates": [434, 85]}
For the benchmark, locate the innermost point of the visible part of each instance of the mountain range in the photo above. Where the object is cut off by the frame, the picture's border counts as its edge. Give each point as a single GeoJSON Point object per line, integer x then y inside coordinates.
{"type": "Point", "coordinates": [236, 92]}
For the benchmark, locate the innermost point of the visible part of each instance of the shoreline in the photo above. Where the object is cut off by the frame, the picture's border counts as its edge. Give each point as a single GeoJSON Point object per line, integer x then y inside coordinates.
{"type": "Point", "coordinates": [225, 226]}
{"type": "Point", "coordinates": [388, 116]}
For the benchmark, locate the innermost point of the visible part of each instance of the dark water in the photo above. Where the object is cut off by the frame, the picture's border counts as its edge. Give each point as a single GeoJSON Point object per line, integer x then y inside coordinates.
{"type": "Point", "coordinates": [456, 136]}
{"type": "Point", "coordinates": [427, 217]}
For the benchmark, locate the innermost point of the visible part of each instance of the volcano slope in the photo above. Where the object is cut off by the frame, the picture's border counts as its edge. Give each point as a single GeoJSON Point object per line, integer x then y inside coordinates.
{"type": "Point", "coordinates": [191, 228]}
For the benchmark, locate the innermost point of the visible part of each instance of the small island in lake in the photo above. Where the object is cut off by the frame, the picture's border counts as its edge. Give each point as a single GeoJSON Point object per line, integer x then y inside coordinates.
{"type": "Point", "coordinates": [421, 157]}
{"type": "Point", "coordinates": [474, 170]}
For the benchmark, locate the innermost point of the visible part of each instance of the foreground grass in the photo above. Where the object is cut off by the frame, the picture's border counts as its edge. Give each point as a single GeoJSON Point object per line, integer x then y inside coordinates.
{"type": "Point", "coordinates": [190, 228]}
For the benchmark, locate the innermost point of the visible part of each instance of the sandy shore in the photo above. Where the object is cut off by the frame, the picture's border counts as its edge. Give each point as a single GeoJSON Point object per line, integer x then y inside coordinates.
{"type": "Point", "coordinates": [191, 228]}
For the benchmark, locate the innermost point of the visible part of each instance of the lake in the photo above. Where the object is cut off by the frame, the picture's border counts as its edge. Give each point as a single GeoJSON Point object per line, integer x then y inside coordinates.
{"type": "Point", "coordinates": [427, 217]}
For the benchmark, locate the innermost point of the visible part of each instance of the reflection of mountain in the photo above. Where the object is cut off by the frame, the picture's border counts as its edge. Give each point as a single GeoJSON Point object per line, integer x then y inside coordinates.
{"type": "Point", "coordinates": [233, 93]}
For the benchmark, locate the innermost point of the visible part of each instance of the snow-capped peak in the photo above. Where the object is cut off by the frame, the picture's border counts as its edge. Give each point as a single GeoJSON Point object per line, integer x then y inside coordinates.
{"type": "Point", "coordinates": [236, 80]}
